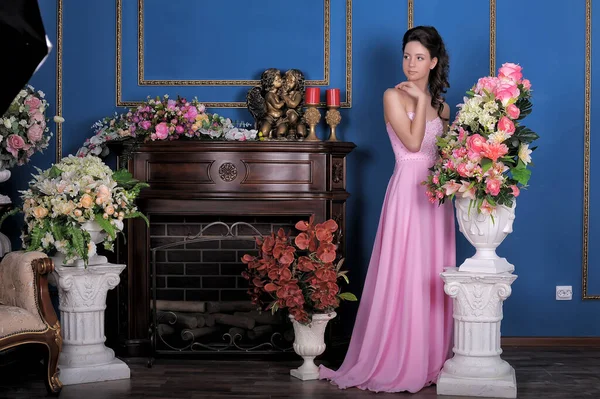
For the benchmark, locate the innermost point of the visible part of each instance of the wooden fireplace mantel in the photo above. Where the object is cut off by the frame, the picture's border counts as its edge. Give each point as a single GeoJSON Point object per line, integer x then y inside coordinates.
{"type": "Point", "coordinates": [224, 179]}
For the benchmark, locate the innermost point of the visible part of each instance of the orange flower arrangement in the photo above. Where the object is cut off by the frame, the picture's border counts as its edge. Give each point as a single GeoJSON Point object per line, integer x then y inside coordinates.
{"type": "Point", "coordinates": [302, 278]}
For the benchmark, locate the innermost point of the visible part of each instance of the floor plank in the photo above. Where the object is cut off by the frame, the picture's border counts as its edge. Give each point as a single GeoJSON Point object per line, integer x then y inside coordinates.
{"type": "Point", "coordinates": [541, 373]}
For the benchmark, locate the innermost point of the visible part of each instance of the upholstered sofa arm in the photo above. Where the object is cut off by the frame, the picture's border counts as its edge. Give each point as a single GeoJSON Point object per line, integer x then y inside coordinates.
{"type": "Point", "coordinates": [24, 281]}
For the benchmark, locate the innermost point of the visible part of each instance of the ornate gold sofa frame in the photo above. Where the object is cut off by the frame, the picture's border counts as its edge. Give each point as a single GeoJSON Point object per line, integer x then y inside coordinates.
{"type": "Point", "coordinates": [26, 312]}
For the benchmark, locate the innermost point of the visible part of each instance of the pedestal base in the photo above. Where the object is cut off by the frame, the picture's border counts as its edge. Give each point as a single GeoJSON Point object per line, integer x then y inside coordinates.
{"type": "Point", "coordinates": [115, 370]}
{"type": "Point", "coordinates": [505, 387]}
{"type": "Point", "coordinates": [305, 375]}
{"type": "Point", "coordinates": [495, 266]}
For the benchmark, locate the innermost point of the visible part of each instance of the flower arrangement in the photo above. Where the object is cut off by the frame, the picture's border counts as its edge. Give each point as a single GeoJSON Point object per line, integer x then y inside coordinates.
{"type": "Point", "coordinates": [304, 284]}
{"type": "Point", "coordinates": [485, 154]}
{"type": "Point", "coordinates": [73, 192]}
{"type": "Point", "coordinates": [164, 119]}
{"type": "Point", "coordinates": [23, 128]}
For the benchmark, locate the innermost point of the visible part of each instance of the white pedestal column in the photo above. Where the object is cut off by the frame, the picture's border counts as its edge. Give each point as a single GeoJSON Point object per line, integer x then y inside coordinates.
{"type": "Point", "coordinates": [476, 368]}
{"type": "Point", "coordinates": [82, 301]}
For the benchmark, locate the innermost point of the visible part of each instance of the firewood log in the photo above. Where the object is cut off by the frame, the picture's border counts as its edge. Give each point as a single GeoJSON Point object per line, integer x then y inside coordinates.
{"type": "Point", "coordinates": [209, 320]}
{"type": "Point", "coordinates": [229, 306]}
{"type": "Point", "coordinates": [180, 306]}
{"type": "Point", "coordinates": [233, 331]}
{"type": "Point", "coordinates": [185, 320]}
{"type": "Point", "coordinates": [234, 321]}
{"type": "Point", "coordinates": [195, 333]}
{"type": "Point", "coordinates": [166, 317]}
{"type": "Point", "coordinates": [261, 317]}
{"type": "Point", "coordinates": [260, 331]}
{"type": "Point", "coordinates": [165, 329]}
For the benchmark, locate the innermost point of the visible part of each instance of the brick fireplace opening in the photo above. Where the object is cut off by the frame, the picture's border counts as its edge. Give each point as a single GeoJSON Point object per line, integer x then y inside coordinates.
{"type": "Point", "coordinates": [193, 184]}
{"type": "Point", "coordinates": [209, 270]}
{"type": "Point", "coordinates": [199, 292]}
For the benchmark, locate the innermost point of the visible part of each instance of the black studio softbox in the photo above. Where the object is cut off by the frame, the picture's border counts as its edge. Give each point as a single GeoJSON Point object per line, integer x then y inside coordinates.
{"type": "Point", "coordinates": [23, 46]}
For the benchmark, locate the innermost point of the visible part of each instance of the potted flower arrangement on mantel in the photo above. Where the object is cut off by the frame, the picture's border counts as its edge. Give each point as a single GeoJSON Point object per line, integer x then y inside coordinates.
{"type": "Point", "coordinates": [163, 119]}
{"type": "Point", "coordinates": [301, 277]}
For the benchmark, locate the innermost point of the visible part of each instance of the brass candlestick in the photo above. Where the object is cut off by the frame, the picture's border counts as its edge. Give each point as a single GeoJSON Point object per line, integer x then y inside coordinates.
{"type": "Point", "coordinates": [312, 117]}
{"type": "Point", "coordinates": [333, 118]}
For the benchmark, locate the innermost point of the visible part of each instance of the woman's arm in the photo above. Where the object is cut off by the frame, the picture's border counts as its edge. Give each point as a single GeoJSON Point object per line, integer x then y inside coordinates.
{"type": "Point", "coordinates": [409, 132]}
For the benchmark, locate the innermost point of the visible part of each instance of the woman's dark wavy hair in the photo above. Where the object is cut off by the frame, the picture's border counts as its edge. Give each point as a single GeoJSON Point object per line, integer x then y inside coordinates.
{"type": "Point", "coordinates": [429, 37]}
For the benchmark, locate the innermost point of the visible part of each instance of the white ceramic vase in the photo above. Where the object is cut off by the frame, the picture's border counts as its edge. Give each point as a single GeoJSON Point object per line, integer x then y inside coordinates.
{"type": "Point", "coordinates": [309, 342]}
{"type": "Point", "coordinates": [485, 234]}
{"type": "Point", "coordinates": [97, 236]}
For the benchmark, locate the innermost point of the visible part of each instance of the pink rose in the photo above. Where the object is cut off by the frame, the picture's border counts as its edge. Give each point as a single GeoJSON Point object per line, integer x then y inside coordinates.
{"type": "Point", "coordinates": [34, 133]}
{"type": "Point", "coordinates": [462, 170]}
{"type": "Point", "coordinates": [475, 143]}
{"type": "Point", "coordinates": [526, 84]}
{"type": "Point", "coordinates": [162, 130]}
{"type": "Point", "coordinates": [16, 141]}
{"type": "Point", "coordinates": [33, 103]}
{"type": "Point", "coordinates": [510, 71]}
{"type": "Point", "coordinates": [513, 111]}
{"type": "Point", "coordinates": [492, 186]}
{"type": "Point", "coordinates": [179, 129]}
{"type": "Point", "coordinates": [515, 190]}
{"type": "Point", "coordinates": [191, 113]}
{"type": "Point", "coordinates": [435, 179]}
{"type": "Point", "coordinates": [36, 117]}
{"type": "Point", "coordinates": [145, 125]}
{"type": "Point", "coordinates": [474, 156]}
{"type": "Point", "coordinates": [507, 91]}
{"type": "Point", "coordinates": [506, 125]}
{"type": "Point", "coordinates": [488, 84]}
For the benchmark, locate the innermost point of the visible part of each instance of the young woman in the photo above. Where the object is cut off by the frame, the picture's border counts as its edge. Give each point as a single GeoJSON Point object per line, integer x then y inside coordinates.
{"type": "Point", "coordinates": [403, 329]}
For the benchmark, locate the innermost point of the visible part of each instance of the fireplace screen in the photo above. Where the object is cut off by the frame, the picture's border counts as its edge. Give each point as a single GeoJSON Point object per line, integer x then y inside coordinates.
{"type": "Point", "coordinates": [199, 299]}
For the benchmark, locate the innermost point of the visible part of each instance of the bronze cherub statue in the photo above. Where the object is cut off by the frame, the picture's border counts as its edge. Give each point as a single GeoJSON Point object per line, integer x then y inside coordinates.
{"type": "Point", "coordinates": [276, 105]}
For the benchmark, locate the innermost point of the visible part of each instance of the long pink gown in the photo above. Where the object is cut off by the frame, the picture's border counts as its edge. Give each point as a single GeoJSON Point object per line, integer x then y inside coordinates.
{"type": "Point", "coordinates": [403, 329]}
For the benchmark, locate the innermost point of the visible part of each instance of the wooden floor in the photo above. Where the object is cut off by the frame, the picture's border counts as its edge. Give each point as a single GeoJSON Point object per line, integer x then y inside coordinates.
{"type": "Point", "coordinates": [541, 373]}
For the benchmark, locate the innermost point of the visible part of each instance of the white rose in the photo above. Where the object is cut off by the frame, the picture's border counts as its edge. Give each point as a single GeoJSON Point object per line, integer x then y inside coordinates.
{"type": "Point", "coordinates": [7, 123]}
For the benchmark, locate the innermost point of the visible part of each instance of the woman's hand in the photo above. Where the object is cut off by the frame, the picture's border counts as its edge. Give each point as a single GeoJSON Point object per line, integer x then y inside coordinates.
{"type": "Point", "coordinates": [411, 89]}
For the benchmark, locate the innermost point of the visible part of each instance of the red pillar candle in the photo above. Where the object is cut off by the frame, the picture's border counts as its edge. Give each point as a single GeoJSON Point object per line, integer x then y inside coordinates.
{"type": "Point", "coordinates": [313, 95]}
{"type": "Point", "coordinates": [333, 97]}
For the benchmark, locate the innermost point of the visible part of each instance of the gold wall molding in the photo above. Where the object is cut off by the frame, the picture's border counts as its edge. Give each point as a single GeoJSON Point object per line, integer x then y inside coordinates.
{"type": "Point", "coordinates": [248, 83]}
{"type": "Point", "coordinates": [411, 14]}
{"type": "Point", "coordinates": [492, 37]}
{"type": "Point", "coordinates": [59, 50]}
{"type": "Point", "coordinates": [142, 81]}
{"type": "Point", "coordinates": [586, 152]}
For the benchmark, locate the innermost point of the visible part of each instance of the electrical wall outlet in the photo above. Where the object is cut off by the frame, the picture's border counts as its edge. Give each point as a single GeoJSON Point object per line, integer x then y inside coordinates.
{"type": "Point", "coordinates": [564, 292]}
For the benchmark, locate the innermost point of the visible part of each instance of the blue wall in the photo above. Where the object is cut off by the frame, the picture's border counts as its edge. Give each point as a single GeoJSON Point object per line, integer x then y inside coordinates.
{"type": "Point", "coordinates": [186, 39]}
